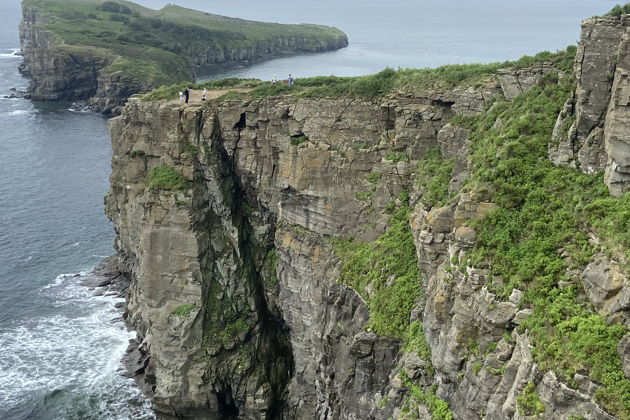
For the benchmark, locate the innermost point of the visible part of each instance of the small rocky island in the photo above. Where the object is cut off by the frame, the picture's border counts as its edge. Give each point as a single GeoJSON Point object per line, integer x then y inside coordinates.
{"type": "Point", "coordinates": [106, 51]}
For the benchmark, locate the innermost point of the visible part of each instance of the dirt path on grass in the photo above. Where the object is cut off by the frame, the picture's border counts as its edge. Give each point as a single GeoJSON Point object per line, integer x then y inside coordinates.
{"type": "Point", "coordinates": [195, 95]}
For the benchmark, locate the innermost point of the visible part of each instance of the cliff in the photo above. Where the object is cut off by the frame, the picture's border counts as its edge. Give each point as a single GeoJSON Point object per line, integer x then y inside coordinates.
{"type": "Point", "coordinates": [106, 51]}
{"type": "Point", "coordinates": [393, 246]}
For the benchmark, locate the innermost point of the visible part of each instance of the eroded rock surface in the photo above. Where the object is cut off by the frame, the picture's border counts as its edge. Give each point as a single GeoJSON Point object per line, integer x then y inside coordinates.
{"type": "Point", "coordinates": [235, 282]}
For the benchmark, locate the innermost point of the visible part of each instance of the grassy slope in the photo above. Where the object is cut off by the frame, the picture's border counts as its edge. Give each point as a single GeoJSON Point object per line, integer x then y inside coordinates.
{"type": "Point", "coordinates": [544, 209]}
{"type": "Point", "coordinates": [152, 46]}
{"type": "Point", "coordinates": [382, 83]}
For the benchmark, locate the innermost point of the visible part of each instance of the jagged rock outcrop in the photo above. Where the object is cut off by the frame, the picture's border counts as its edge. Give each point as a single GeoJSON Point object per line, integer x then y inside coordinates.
{"type": "Point", "coordinates": [517, 82]}
{"type": "Point", "coordinates": [591, 130]}
{"type": "Point", "coordinates": [616, 139]}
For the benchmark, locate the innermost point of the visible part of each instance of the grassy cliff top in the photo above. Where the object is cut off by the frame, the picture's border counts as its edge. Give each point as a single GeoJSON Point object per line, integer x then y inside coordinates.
{"type": "Point", "coordinates": [155, 46]}
{"type": "Point", "coordinates": [379, 84]}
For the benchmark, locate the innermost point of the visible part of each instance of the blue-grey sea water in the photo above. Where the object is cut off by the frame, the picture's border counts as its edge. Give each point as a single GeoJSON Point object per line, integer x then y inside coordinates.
{"type": "Point", "coordinates": [59, 349]}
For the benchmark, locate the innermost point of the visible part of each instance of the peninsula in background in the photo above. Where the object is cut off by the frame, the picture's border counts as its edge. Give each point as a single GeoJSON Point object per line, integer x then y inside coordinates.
{"type": "Point", "coordinates": [106, 51]}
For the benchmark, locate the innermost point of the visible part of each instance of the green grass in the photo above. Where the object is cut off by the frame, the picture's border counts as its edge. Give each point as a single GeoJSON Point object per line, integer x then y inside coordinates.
{"type": "Point", "coordinates": [542, 209]}
{"type": "Point", "coordinates": [165, 178]}
{"type": "Point", "coordinates": [231, 330]}
{"type": "Point", "coordinates": [390, 266]}
{"type": "Point", "coordinates": [191, 150]}
{"type": "Point", "coordinates": [433, 176]}
{"type": "Point", "coordinates": [184, 310]}
{"type": "Point", "coordinates": [385, 82]}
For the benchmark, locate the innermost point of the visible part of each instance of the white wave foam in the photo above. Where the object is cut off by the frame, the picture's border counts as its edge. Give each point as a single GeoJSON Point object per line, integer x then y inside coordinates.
{"type": "Point", "coordinates": [13, 54]}
{"type": "Point", "coordinates": [72, 357]}
{"type": "Point", "coordinates": [65, 278]}
{"type": "Point", "coordinates": [19, 112]}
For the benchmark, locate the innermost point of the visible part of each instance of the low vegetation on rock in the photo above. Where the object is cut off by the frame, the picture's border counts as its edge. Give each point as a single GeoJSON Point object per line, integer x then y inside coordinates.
{"type": "Point", "coordinates": [379, 84]}
{"type": "Point", "coordinates": [184, 310]}
{"type": "Point", "coordinates": [545, 211]}
{"type": "Point", "coordinates": [165, 178]}
{"type": "Point", "coordinates": [389, 268]}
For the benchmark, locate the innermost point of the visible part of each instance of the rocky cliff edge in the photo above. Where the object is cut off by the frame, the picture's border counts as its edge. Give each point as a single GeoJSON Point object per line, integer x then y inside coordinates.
{"type": "Point", "coordinates": [411, 256]}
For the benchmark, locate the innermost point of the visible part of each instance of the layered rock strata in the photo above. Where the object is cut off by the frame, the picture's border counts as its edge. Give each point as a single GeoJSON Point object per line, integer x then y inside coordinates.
{"type": "Point", "coordinates": [235, 285]}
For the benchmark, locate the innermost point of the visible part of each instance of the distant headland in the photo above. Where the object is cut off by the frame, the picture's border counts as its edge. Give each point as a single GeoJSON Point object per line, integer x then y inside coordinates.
{"type": "Point", "coordinates": [106, 51]}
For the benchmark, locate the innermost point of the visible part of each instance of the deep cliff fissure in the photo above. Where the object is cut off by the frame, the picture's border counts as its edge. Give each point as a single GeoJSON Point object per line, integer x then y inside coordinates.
{"type": "Point", "coordinates": [242, 277]}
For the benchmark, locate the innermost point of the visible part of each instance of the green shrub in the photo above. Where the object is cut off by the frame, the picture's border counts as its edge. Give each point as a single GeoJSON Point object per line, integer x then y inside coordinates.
{"type": "Point", "coordinates": [426, 396]}
{"type": "Point", "coordinates": [433, 176]}
{"type": "Point", "coordinates": [297, 140]}
{"type": "Point", "coordinates": [619, 10]}
{"type": "Point", "coordinates": [414, 340]}
{"type": "Point", "coordinates": [388, 265]}
{"type": "Point", "coordinates": [541, 210]}
{"type": "Point", "coordinates": [112, 6]}
{"type": "Point", "coordinates": [165, 178]}
{"type": "Point", "coordinates": [184, 310]}
{"type": "Point", "coordinates": [374, 178]}
{"type": "Point", "coordinates": [529, 403]}
{"type": "Point", "coordinates": [363, 195]}
{"type": "Point", "coordinates": [397, 157]}
{"type": "Point", "coordinates": [191, 150]}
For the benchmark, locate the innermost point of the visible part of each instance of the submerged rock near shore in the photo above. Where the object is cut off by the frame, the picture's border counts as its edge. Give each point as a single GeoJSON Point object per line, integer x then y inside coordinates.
{"type": "Point", "coordinates": [399, 247]}
{"type": "Point", "coordinates": [106, 51]}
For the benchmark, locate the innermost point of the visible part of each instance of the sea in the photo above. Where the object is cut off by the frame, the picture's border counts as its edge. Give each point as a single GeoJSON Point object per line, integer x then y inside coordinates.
{"type": "Point", "coordinates": [60, 345]}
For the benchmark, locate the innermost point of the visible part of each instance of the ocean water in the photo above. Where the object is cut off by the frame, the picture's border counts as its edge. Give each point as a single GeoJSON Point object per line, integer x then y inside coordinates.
{"type": "Point", "coordinates": [60, 345]}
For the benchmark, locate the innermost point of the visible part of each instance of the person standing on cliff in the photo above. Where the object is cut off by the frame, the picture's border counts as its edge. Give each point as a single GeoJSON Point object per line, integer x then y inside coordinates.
{"type": "Point", "coordinates": [187, 93]}
{"type": "Point", "coordinates": [204, 96]}
{"type": "Point", "coordinates": [290, 80]}
{"type": "Point", "coordinates": [273, 80]}
{"type": "Point", "coordinates": [181, 97]}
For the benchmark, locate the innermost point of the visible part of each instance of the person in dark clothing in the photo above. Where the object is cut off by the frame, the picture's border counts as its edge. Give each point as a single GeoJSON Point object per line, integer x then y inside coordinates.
{"type": "Point", "coordinates": [187, 94]}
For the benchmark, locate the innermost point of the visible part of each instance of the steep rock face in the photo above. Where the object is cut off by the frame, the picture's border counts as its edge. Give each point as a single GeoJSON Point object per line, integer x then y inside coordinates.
{"type": "Point", "coordinates": [516, 82]}
{"type": "Point", "coordinates": [62, 72]}
{"type": "Point", "coordinates": [595, 64]}
{"type": "Point", "coordinates": [590, 132]}
{"type": "Point", "coordinates": [245, 245]}
{"type": "Point", "coordinates": [263, 50]}
{"type": "Point", "coordinates": [56, 74]}
{"type": "Point", "coordinates": [191, 250]}
{"type": "Point", "coordinates": [616, 139]}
